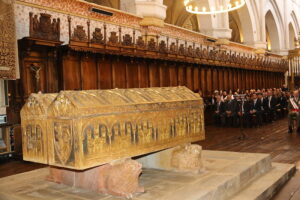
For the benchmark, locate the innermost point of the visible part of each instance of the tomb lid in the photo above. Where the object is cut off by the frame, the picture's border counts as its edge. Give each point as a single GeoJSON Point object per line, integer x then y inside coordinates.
{"type": "Point", "coordinates": [87, 102]}
{"type": "Point", "coordinates": [38, 103]}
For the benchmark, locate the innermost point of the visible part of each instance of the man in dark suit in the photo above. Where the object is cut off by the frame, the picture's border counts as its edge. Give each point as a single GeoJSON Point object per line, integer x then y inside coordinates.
{"type": "Point", "coordinates": [284, 104]}
{"type": "Point", "coordinates": [230, 111]}
{"type": "Point", "coordinates": [256, 109]}
{"type": "Point", "coordinates": [269, 105]}
{"type": "Point", "coordinates": [244, 111]}
{"type": "Point", "coordinates": [218, 109]}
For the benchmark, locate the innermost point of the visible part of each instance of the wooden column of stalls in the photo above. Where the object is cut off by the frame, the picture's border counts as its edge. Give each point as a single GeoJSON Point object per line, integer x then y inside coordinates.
{"type": "Point", "coordinates": [83, 71]}
{"type": "Point", "coordinates": [103, 72]}
{"type": "Point", "coordinates": [65, 69]}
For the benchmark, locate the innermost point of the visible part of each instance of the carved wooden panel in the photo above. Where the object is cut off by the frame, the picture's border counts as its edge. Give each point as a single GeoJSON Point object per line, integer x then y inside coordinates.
{"type": "Point", "coordinates": [196, 77]}
{"type": "Point", "coordinates": [173, 75]}
{"type": "Point", "coordinates": [189, 77]}
{"type": "Point", "coordinates": [44, 27]}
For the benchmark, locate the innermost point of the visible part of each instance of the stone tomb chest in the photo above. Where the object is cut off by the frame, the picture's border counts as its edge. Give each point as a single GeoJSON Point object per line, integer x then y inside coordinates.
{"type": "Point", "coordinates": [34, 126]}
{"type": "Point", "coordinates": [83, 129]}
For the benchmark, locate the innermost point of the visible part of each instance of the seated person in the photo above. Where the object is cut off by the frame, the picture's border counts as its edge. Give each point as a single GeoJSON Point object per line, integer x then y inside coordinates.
{"type": "Point", "coordinates": [218, 109]}
{"type": "Point", "coordinates": [283, 104]}
{"type": "Point", "coordinates": [293, 108]}
{"type": "Point", "coordinates": [244, 111]}
{"type": "Point", "coordinates": [269, 106]}
{"type": "Point", "coordinates": [256, 109]}
{"type": "Point", "coordinates": [231, 110]}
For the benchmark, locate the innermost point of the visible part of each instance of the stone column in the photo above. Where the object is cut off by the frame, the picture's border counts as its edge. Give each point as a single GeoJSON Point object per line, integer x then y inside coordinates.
{"type": "Point", "coordinates": [152, 11]}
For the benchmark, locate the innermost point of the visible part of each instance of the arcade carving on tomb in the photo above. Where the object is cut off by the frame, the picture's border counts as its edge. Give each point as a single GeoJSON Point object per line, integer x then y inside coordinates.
{"type": "Point", "coordinates": [80, 129]}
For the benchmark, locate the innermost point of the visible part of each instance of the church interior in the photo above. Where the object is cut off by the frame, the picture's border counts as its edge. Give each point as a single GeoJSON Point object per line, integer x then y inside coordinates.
{"type": "Point", "coordinates": [149, 99]}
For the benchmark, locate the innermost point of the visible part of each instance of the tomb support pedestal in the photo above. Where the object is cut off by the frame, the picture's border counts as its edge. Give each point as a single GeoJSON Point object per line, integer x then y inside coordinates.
{"type": "Point", "coordinates": [118, 179]}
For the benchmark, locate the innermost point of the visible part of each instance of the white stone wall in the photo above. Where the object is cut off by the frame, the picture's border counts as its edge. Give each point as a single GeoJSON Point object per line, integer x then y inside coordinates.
{"type": "Point", "coordinates": [283, 18]}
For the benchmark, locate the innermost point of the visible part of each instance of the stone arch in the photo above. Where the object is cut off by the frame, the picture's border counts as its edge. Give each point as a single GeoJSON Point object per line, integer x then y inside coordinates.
{"type": "Point", "coordinates": [191, 23]}
{"type": "Point", "coordinates": [292, 36]}
{"type": "Point", "coordinates": [274, 26]}
{"type": "Point", "coordinates": [295, 23]}
{"type": "Point", "coordinates": [248, 15]}
{"type": "Point", "coordinates": [235, 26]}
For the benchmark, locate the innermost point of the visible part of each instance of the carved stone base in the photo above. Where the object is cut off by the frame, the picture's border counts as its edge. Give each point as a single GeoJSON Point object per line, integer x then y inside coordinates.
{"type": "Point", "coordinates": [187, 158]}
{"type": "Point", "coordinates": [118, 179]}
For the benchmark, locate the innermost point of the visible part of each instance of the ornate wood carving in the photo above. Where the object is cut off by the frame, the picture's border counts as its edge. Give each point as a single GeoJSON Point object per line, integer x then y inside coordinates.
{"type": "Point", "coordinates": [79, 34]}
{"type": "Point", "coordinates": [190, 51]}
{"type": "Point", "coordinates": [97, 37]}
{"type": "Point", "coordinates": [181, 50]}
{"type": "Point", "coordinates": [152, 45]}
{"type": "Point", "coordinates": [35, 68]}
{"type": "Point", "coordinates": [113, 39]}
{"type": "Point", "coordinates": [162, 47]}
{"type": "Point", "coordinates": [173, 48]}
{"type": "Point", "coordinates": [140, 43]}
{"type": "Point", "coordinates": [43, 27]}
{"type": "Point", "coordinates": [127, 40]}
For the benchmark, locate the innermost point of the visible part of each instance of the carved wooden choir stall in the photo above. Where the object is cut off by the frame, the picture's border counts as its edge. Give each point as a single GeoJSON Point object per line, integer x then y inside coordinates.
{"type": "Point", "coordinates": [102, 55]}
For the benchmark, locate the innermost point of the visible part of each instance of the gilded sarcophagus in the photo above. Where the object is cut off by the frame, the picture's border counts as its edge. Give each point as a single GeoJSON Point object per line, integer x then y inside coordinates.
{"type": "Point", "coordinates": [94, 127]}
{"type": "Point", "coordinates": [34, 119]}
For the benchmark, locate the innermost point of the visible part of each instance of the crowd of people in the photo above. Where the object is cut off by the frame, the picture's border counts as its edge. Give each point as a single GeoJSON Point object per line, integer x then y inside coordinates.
{"type": "Point", "coordinates": [253, 108]}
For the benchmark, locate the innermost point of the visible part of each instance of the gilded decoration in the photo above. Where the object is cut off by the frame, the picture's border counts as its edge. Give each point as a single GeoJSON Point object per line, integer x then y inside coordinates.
{"type": "Point", "coordinates": [34, 126]}
{"type": "Point", "coordinates": [90, 128]}
{"type": "Point", "coordinates": [8, 47]}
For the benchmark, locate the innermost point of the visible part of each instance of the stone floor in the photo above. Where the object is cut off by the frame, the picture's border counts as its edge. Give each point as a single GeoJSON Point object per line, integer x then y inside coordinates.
{"type": "Point", "coordinates": [225, 174]}
{"type": "Point", "coordinates": [271, 138]}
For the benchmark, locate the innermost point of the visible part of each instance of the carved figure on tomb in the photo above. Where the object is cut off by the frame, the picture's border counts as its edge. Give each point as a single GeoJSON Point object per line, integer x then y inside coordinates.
{"type": "Point", "coordinates": [97, 36]}
{"type": "Point", "coordinates": [79, 34]}
{"type": "Point", "coordinates": [121, 179]}
{"type": "Point", "coordinates": [187, 158]}
{"type": "Point", "coordinates": [63, 143]}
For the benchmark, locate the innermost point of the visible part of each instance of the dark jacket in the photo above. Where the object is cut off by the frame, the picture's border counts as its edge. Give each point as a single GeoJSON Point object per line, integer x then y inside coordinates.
{"type": "Point", "coordinates": [257, 106]}
{"type": "Point", "coordinates": [272, 104]}
{"type": "Point", "coordinates": [218, 107]}
{"type": "Point", "coordinates": [232, 106]}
